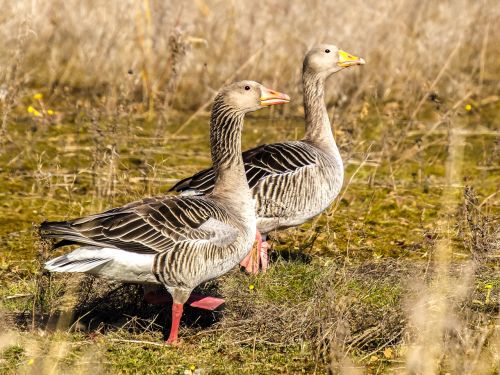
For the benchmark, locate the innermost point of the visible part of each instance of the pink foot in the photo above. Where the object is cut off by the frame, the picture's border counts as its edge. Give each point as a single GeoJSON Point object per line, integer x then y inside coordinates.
{"type": "Point", "coordinates": [204, 302]}
{"type": "Point", "coordinates": [195, 300]}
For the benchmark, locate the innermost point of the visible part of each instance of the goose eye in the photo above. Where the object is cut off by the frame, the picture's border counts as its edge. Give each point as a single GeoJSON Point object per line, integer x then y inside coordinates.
{"type": "Point", "coordinates": [327, 50]}
{"type": "Point", "coordinates": [247, 88]}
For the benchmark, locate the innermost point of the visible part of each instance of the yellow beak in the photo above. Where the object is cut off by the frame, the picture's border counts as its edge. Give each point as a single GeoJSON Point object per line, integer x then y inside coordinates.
{"type": "Point", "coordinates": [270, 97]}
{"type": "Point", "coordinates": [346, 60]}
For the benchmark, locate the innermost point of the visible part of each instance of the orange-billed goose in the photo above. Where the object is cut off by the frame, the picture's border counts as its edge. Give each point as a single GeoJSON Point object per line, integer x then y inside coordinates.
{"type": "Point", "coordinates": [177, 241]}
{"type": "Point", "coordinates": [296, 180]}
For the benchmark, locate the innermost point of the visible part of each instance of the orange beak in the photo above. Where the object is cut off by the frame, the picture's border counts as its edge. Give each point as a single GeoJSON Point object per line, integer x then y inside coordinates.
{"type": "Point", "coordinates": [270, 97]}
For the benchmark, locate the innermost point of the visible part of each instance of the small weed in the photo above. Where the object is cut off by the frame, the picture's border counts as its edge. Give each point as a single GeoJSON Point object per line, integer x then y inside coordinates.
{"type": "Point", "coordinates": [11, 358]}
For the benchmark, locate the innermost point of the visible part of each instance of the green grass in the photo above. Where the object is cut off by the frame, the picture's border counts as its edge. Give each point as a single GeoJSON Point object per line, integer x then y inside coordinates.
{"type": "Point", "coordinates": [338, 284]}
{"type": "Point", "coordinates": [12, 357]}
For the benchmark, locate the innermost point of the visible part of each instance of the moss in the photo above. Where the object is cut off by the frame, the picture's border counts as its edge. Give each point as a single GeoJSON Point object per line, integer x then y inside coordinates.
{"type": "Point", "coordinates": [137, 354]}
{"type": "Point", "coordinates": [378, 294]}
{"type": "Point", "coordinates": [388, 212]}
{"type": "Point", "coordinates": [11, 359]}
{"type": "Point", "coordinates": [207, 357]}
{"type": "Point", "coordinates": [287, 283]}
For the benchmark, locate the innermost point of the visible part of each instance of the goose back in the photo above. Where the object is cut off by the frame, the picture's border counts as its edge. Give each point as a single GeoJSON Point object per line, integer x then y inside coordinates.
{"type": "Point", "coordinates": [290, 182]}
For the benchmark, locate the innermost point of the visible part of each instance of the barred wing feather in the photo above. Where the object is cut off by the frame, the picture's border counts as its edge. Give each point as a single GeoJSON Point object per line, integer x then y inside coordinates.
{"type": "Point", "coordinates": [260, 163]}
{"type": "Point", "coordinates": [152, 225]}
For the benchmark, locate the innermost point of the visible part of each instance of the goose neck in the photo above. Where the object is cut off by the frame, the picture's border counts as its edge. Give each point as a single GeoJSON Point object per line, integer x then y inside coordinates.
{"type": "Point", "coordinates": [318, 127]}
{"type": "Point", "coordinates": [226, 125]}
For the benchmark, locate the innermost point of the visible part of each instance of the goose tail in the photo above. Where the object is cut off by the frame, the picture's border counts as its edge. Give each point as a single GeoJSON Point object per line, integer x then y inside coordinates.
{"type": "Point", "coordinates": [55, 229]}
{"type": "Point", "coordinates": [111, 263]}
{"type": "Point", "coordinates": [81, 260]}
{"type": "Point", "coordinates": [64, 231]}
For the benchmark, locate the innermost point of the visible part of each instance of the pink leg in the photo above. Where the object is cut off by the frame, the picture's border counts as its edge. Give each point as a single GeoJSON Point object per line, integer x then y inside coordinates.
{"type": "Point", "coordinates": [264, 260]}
{"type": "Point", "coordinates": [256, 256]}
{"type": "Point", "coordinates": [251, 261]}
{"type": "Point", "coordinates": [177, 309]}
{"type": "Point", "coordinates": [250, 256]}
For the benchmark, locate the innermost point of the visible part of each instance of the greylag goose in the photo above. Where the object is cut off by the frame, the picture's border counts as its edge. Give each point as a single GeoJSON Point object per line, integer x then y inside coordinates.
{"type": "Point", "coordinates": [177, 241]}
{"type": "Point", "coordinates": [294, 181]}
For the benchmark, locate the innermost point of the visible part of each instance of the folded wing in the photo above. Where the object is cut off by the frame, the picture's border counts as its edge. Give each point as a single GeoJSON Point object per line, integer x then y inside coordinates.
{"type": "Point", "coordinates": [152, 225]}
{"type": "Point", "coordinates": [260, 163]}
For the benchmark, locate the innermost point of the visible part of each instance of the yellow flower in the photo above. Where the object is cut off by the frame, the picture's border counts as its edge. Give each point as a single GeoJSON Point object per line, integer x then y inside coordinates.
{"type": "Point", "coordinates": [468, 107]}
{"type": "Point", "coordinates": [251, 287]}
{"type": "Point", "coordinates": [50, 112]}
{"type": "Point", "coordinates": [388, 353]}
{"type": "Point", "coordinates": [192, 367]}
{"type": "Point", "coordinates": [31, 361]}
{"type": "Point", "coordinates": [34, 112]}
{"type": "Point", "coordinates": [38, 96]}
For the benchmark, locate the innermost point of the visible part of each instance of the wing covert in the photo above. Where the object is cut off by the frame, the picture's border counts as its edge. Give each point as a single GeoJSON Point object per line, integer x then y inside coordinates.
{"type": "Point", "coordinates": [150, 226]}
{"type": "Point", "coordinates": [260, 162]}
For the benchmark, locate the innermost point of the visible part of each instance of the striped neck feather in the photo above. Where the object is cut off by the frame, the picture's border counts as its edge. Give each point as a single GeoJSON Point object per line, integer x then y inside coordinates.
{"type": "Point", "coordinates": [318, 127]}
{"type": "Point", "coordinates": [226, 125]}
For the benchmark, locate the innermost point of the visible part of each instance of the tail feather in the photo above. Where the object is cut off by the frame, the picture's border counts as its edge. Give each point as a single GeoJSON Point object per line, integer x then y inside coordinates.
{"type": "Point", "coordinates": [51, 229]}
{"type": "Point", "coordinates": [67, 263]}
{"type": "Point", "coordinates": [115, 264]}
{"type": "Point", "coordinates": [63, 231]}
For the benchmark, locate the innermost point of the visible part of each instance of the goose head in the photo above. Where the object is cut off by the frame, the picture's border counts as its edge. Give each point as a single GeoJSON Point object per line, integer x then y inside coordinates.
{"type": "Point", "coordinates": [248, 96]}
{"type": "Point", "coordinates": [327, 59]}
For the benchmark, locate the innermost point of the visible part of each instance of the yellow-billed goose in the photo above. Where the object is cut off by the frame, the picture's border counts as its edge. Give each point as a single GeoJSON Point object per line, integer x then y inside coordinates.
{"type": "Point", "coordinates": [292, 181]}
{"type": "Point", "coordinates": [176, 241]}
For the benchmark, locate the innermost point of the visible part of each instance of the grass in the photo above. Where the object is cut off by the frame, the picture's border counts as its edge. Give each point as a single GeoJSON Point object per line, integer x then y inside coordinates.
{"type": "Point", "coordinates": [104, 103]}
{"type": "Point", "coordinates": [336, 296]}
{"type": "Point", "coordinates": [333, 287]}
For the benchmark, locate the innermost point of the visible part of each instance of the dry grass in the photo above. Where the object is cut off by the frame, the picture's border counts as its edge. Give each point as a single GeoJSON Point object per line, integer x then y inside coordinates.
{"type": "Point", "coordinates": [157, 53]}
{"type": "Point", "coordinates": [399, 276]}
